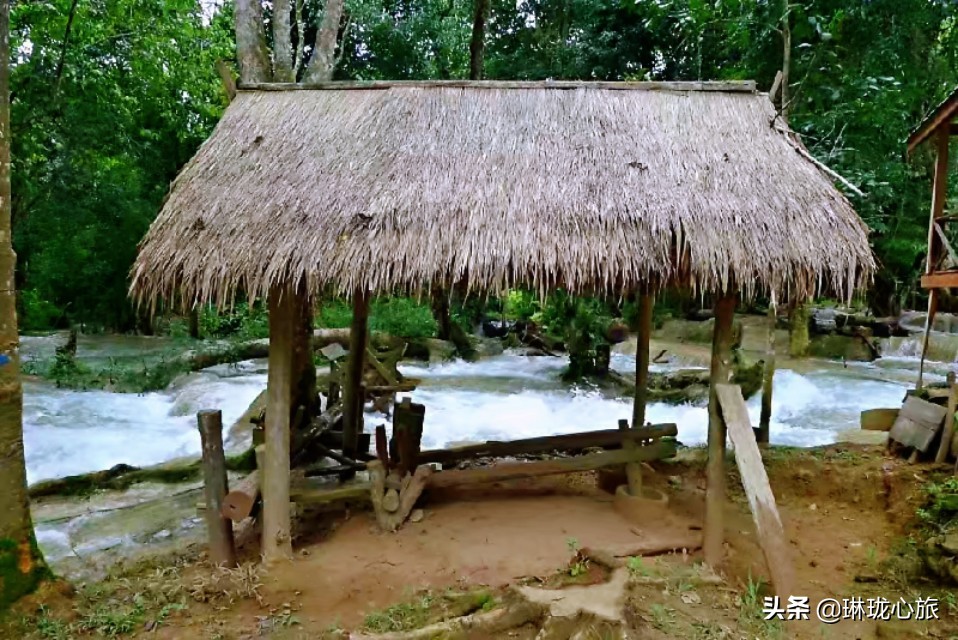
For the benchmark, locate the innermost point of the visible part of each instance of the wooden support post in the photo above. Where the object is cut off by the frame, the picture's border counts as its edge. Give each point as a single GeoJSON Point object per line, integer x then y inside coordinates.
{"type": "Point", "coordinates": [720, 373]}
{"type": "Point", "coordinates": [761, 500]}
{"type": "Point", "coordinates": [929, 323]}
{"type": "Point", "coordinates": [219, 530]}
{"type": "Point", "coordinates": [939, 192]}
{"type": "Point", "coordinates": [768, 376]}
{"type": "Point", "coordinates": [352, 381]}
{"type": "Point", "coordinates": [408, 419]}
{"type": "Point", "coordinates": [949, 429]}
{"type": "Point", "coordinates": [283, 321]}
{"type": "Point", "coordinates": [633, 472]}
{"type": "Point", "coordinates": [646, 302]}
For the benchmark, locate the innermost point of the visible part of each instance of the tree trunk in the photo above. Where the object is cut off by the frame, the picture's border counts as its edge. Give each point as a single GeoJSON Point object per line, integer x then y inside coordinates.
{"type": "Point", "coordinates": [768, 377]}
{"type": "Point", "coordinates": [322, 63]}
{"type": "Point", "coordinates": [304, 369]}
{"type": "Point", "coordinates": [21, 564]}
{"type": "Point", "coordinates": [646, 303]}
{"type": "Point", "coordinates": [798, 338]}
{"type": "Point", "coordinates": [282, 42]}
{"type": "Point", "coordinates": [251, 51]}
{"type": "Point", "coordinates": [477, 45]}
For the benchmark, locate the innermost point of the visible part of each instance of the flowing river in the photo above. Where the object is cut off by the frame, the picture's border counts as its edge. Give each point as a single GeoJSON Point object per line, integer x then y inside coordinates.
{"type": "Point", "coordinates": [502, 397]}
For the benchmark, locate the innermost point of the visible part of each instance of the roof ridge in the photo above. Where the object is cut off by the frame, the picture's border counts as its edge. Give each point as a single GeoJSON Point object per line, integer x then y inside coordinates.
{"type": "Point", "coordinates": [728, 86]}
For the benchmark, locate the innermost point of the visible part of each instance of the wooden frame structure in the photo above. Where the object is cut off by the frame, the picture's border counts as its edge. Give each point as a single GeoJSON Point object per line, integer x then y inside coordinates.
{"type": "Point", "coordinates": [941, 262]}
{"type": "Point", "coordinates": [651, 232]}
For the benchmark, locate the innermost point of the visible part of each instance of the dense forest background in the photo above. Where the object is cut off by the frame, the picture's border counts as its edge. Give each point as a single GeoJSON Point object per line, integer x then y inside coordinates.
{"type": "Point", "coordinates": [111, 97]}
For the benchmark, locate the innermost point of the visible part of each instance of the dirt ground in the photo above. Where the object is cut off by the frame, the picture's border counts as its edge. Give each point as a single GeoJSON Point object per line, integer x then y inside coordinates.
{"type": "Point", "coordinates": [845, 509]}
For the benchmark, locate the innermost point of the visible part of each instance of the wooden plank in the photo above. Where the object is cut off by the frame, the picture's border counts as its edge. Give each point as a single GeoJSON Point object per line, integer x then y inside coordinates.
{"type": "Point", "coordinates": [573, 442]}
{"type": "Point", "coordinates": [949, 429]}
{"type": "Point", "coordinates": [937, 121]}
{"type": "Point", "coordinates": [659, 450]}
{"type": "Point", "coordinates": [917, 424]}
{"type": "Point", "coordinates": [646, 304]}
{"type": "Point", "coordinates": [952, 261]}
{"type": "Point", "coordinates": [386, 375]}
{"type": "Point", "coordinates": [761, 500]}
{"type": "Point", "coordinates": [276, 537]}
{"type": "Point", "coordinates": [720, 373]}
{"type": "Point", "coordinates": [878, 419]}
{"type": "Point", "coordinates": [222, 551]}
{"type": "Point", "coordinates": [741, 86]}
{"type": "Point", "coordinates": [940, 280]}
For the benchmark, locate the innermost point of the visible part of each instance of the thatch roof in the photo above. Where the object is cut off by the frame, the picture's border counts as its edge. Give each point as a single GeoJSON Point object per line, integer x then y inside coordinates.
{"type": "Point", "coordinates": [591, 187]}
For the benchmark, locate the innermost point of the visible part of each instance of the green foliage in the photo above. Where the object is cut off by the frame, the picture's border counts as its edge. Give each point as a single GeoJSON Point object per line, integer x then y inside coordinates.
{"type": "Point", "coordinates": [521, 305]}
{"type": "Point", "coordinates": [940, 510]}
{"type": "Point", "coordinates": [102, 121]}
{"type": "Point", "coordinates": [395, 315]}
{"type": "Point", "coordinates": [244, 322]}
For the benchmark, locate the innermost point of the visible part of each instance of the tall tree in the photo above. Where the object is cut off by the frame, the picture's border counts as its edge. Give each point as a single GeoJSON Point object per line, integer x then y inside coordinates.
{"type": "Point", "coordinates": [21, 563]}
{"type": "Point", "coordinates": [477, 46]}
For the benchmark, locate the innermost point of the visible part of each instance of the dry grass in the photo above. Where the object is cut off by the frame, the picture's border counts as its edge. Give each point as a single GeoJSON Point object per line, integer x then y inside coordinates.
{"type": "Point", "coordinates": [588, 188]}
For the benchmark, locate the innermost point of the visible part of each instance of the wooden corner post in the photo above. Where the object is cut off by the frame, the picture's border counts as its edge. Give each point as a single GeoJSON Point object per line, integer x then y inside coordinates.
{"type": "Point", "coordinates": [720, 373]}
{"type": "Point", "coordinates": [222, 550]}
{"type": "Point", "coordinates": [646, 302]}
{"type": "Point", "coordinates": [283, 320]}
{"type": "Point", "coordinates": [352, 387]}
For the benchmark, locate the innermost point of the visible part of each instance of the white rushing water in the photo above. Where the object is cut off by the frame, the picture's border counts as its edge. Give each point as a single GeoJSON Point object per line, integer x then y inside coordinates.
{"type": "Point", "coordinates": [69, 432]}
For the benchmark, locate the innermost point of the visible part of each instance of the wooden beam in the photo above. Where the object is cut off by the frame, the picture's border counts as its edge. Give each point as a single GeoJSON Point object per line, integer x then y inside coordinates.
{"type": "Point", "coordinates": [644, 335]}
{"type": "Point", "coordinates": [746, 86]}
{"type": "Point", "coordinates": [720, 373]}
{"type": "Point", "coordinates": [219, 530]}
{"type": "Point", "coordinates": [512, 471]}
{"type": "Point", "coordinates": [952, 256]}
{"type": "Point", "coordinates": [352, 381]}
{"type": "Point", "coordinates": [238, 503]}
{"type": "Point", "coordinates": [761, 500]}
{"type": "Point", "coordinates": [940, 280]}
{"type": "Point", "coordinates": [226, 76]}
{"type": "Point", "coordinates": [277, 542]}
{"type": "Point", "coordinates": [937, 121]}
{"type": "Point", "coordinates": [776, 85]}
{"type": "Point", "coordinates": [566, 443]}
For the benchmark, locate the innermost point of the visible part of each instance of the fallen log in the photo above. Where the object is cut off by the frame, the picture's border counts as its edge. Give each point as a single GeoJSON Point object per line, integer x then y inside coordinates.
{"type": "Point", "coordinates": [573, 442]}
{"type": "Point", "coordinates": [513, 471]}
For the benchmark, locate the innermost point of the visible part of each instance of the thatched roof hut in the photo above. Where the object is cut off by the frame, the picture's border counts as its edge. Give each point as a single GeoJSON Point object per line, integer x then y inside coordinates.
{"type": "Point", "coordinates": [603, 187]}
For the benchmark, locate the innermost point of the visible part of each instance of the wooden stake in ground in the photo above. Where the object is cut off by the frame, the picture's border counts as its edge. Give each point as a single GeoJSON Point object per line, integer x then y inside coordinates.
{"type": "Point", "coordinates": [720, 373]}
{"type": "Point", "coordinates": [768, 375]}
{"type": "Point", "coordinates": [646, 303]}
{"type": "Point", "coordinates": [633, 472]}
{"type": "Point", "coordinates": [219, 530]}
{"type": "Point", "coordinates": [283, 321]}
{"type": "Point", "coordinates": [771, 535]}
{"type": "Point", "coordinates": [946, 434]}
{"type": "Point", "coordinates": [352, 382]}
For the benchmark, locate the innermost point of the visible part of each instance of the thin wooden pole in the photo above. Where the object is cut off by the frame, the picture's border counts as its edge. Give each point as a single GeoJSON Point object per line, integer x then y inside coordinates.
{"type": "Point", "coordinates": [283, 320]}
{"type": "Point", "coordinates": [929, 323]}
{"type": "Point", "coordinates": [219, 530]}
{"type": "Point", "coordinates": [646, 303]}
{"type": "Point", "coordinates": [768, 376]}
{"type": "Point", "coordinates": [352, 391]}
{"type": "Point", "coordinates": [947, 433]}
{"type": "Point", "coordinates": [720, 374]}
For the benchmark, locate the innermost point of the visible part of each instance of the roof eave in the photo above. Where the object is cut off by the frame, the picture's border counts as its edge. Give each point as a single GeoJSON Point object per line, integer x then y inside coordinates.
{"type": "Point", "coordinates": [943, 114]}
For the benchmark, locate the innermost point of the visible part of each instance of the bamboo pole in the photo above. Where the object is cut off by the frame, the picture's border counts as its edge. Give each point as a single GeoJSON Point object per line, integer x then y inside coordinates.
{"type": "Point", "coordinates": [219, 530]}
{"type": "Point", "coordinates": [274, 485]}
{"type": "Point", "coordinates": [646, 303]}
{"type": "Point", "coordinates": [715, 471]}
{"type": "Point", "coordinates": [352, 382]}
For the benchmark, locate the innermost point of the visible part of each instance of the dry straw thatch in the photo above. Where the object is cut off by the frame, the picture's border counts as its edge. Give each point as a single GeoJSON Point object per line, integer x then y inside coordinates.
{"type": "Point", "coordinates": [591, 187]}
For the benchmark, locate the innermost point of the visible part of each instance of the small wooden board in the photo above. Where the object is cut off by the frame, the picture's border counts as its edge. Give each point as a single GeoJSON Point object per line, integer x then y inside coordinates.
{"type": "Point", "coordinates": [878, 419]}
{"type": "Point", "coordinates": [761, 500]}
{"type": "Point", "coordinates": [917, 424]}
